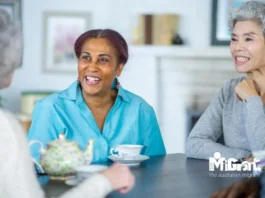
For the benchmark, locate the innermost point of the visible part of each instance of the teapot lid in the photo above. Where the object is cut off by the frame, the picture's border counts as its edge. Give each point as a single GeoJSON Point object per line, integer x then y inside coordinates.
{"type": "Point", "coordinates": [61, 136]}
{"type": "Point", "coordinates": [61, 141]}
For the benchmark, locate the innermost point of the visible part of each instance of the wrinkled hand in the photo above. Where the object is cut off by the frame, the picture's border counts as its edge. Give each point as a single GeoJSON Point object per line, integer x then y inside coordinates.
{"type": "Point", "coordinates": [245, 89]}
{"type": "Point", "coordinates": [120, 177]}
{"type": "Point", "coordinates": [246, 188]}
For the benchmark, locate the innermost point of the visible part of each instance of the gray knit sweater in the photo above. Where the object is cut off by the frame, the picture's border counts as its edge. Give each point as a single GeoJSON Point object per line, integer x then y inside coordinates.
{"type": "Point", "coordinates": [242, 123]}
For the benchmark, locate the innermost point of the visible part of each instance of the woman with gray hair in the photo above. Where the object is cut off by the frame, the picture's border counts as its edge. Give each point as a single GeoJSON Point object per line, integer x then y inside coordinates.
{"type": "Point", "coordinates": [237, 111]}
{"type": "Point", "coordinates": [16, 169]}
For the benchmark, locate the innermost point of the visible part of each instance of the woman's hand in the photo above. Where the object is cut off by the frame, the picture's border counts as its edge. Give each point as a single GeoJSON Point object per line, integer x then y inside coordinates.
{"type": "Point", "coordinates": [245, 89]}
{"type": "Point", "coordinates": [248, 188]}
{"type": "Point", "coordinates": [120, 177]}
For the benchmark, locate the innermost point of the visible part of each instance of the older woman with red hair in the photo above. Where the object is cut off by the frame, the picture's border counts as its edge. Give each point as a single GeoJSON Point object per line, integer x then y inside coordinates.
{"type": "Point", "coordinates": [96, 106]}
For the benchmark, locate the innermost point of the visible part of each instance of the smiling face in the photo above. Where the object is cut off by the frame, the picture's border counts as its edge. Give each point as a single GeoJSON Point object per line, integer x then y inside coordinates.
{"type": "Point", "coordinates": [247, 46]}
{"type": "Point", "coordinates": [98, 66]}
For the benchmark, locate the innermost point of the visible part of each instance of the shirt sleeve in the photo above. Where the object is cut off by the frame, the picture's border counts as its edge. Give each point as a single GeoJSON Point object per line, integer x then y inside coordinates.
{"type": "Point", "coordinates": [98, 186]}
{"type": "Point", "coordinates": [201, 142]}
{"type": "Point", "coordinates": [153, 141]}
{"type": "Point", "coordinates": [45, 127]}
{"type": "Point", "coordinates": [255, 124]}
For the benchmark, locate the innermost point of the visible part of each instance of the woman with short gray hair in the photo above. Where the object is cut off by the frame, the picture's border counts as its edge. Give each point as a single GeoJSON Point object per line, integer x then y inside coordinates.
{"type": "Point", "coordinates": [237, 111]}
{"type": "Point", "coordinates": [16, 169]}
{"type": "Point", "coordinates": [252, 10]}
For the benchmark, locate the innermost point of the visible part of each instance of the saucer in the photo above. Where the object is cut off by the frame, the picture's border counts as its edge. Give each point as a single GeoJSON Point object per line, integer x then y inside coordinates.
{"type": "Point", "coordinates": [72, 182]}
{"type": "Point", "coordinates": [84, 172]}
{"type": "Point", "coordinates": [129, 161]}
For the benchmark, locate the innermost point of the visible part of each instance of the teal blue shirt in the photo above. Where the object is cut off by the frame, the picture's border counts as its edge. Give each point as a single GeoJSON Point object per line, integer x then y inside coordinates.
{"type": "Point", "coordinates": [131, 120]}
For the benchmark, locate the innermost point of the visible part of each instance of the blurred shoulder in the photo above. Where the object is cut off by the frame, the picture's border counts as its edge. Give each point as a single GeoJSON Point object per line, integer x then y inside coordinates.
{"type": "Point", "coordinates": [9, 123]}
{"type": "Point", "coordinates": [7, 118]}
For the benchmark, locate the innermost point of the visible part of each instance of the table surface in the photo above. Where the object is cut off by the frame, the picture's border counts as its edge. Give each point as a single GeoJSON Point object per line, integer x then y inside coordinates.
{"type": "Point", "coordinates": [172, 175]}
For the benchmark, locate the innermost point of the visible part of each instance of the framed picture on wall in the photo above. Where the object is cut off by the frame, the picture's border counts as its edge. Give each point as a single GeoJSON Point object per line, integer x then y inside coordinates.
{"type": "Point", "coordinates": [60, 33]}
{"type": "Point", "coordinates": [13, 7]}
{"type": "Point", "coordinates": [220, 33]}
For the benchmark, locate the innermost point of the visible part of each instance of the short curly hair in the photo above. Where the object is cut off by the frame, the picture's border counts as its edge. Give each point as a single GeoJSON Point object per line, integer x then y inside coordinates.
{"type": "Point", "coordinates": [250, 10]}
{"type": "Point", "coordinates": [10, 45]}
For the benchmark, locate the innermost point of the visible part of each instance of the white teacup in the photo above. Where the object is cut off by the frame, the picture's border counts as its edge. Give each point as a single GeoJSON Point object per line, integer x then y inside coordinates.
{"type": "Point", "coordinates": [126, 150]}
{"type": "Point", "coordinates": [84, 172]}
